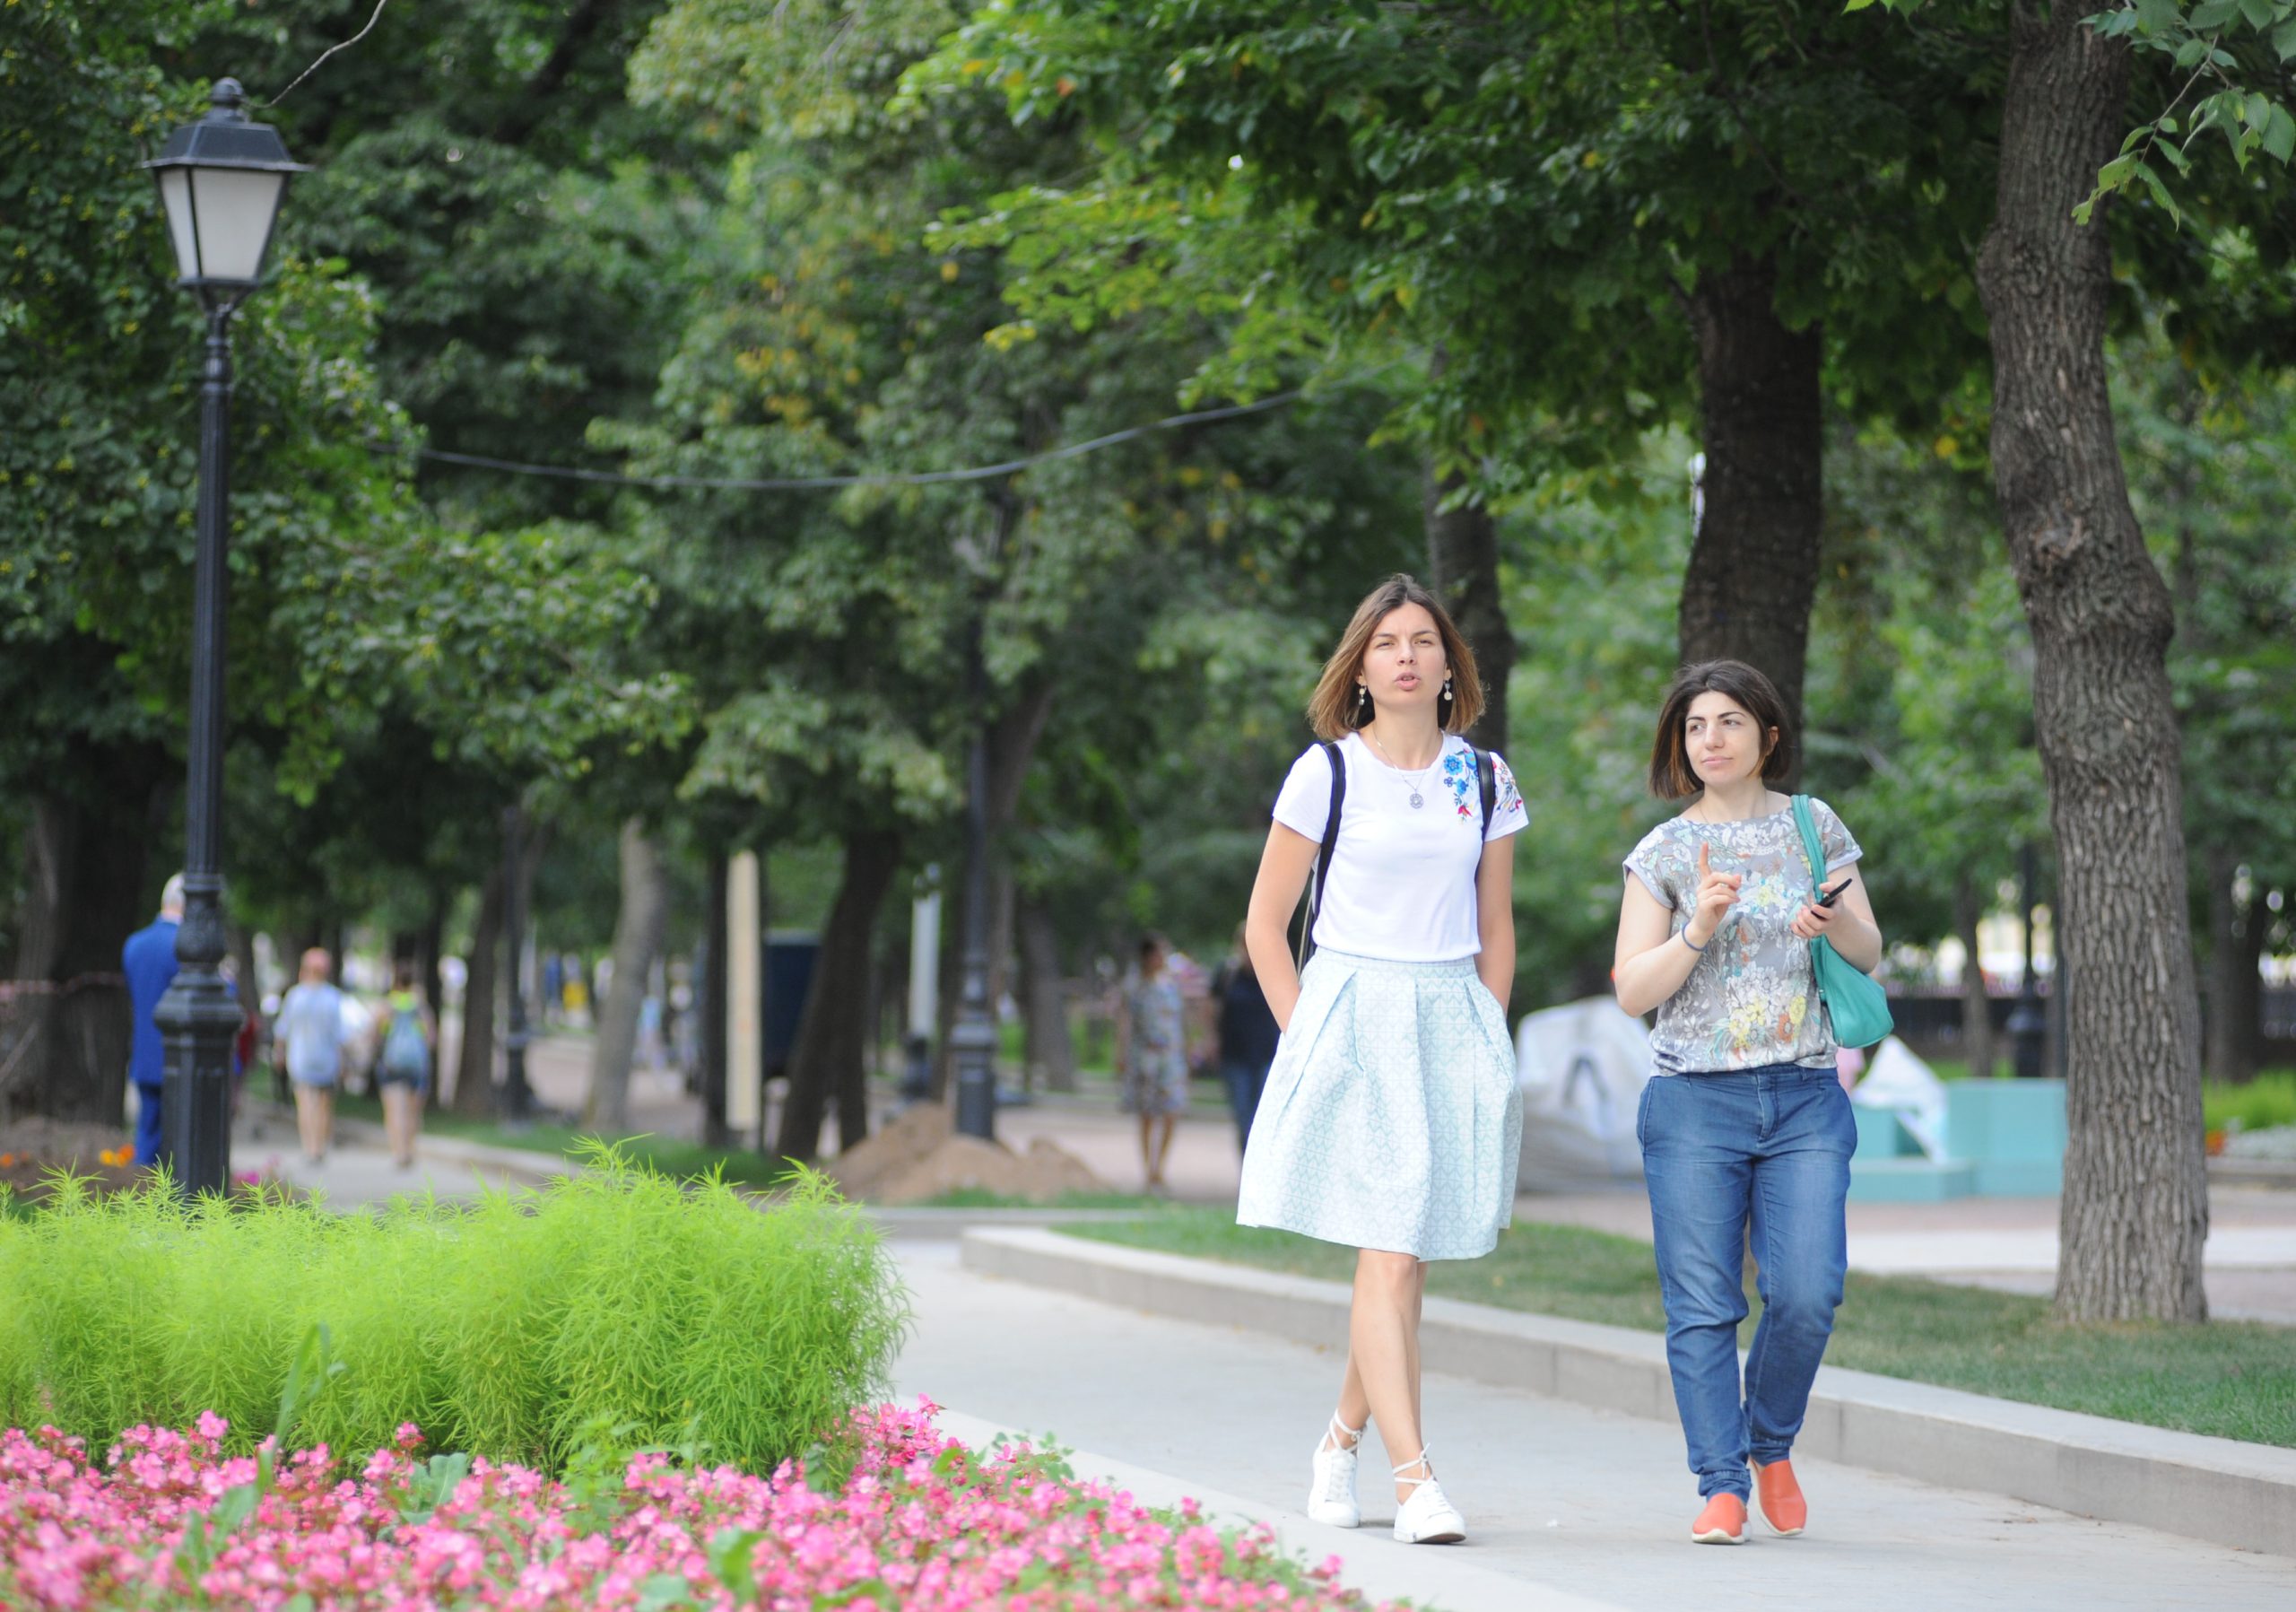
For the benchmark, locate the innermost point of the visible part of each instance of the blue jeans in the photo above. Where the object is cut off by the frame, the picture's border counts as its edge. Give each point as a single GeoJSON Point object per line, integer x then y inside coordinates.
{"type": "Point", "coordinates": [147, 1122]}
{"type": "Point", "coordinates": [1246, 1082]}
{"type": "Point", "coordinates": [1766, 1149]}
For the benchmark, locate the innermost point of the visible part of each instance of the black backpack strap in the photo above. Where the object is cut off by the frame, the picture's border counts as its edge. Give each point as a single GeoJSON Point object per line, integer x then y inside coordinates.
{"type": "Point", "coordinates": [1323, 857]}
{"type": "Point", "coordinates": [1487, 782]}
{"type": "Point", "coordinates": [1331, 818]}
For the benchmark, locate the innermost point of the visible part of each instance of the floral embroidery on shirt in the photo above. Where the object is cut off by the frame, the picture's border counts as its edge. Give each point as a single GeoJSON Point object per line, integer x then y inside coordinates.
{"type": "Point", "coordinates": [1459, 773]}
{"type": "Point", "coordinates": [1461, 778]}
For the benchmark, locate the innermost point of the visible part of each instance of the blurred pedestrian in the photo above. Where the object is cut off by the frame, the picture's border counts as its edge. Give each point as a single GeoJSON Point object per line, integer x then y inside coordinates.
{"type": "Point", "coordinates": [1151, 1055]}
{"type": "Point", "coordinates": [309, 1027]}
{"type": "Point", "coordinates": [1247, 1037]}
{"type": "Point", "coordinates": [149, 962]}
{"type": "Point", "coordinates": [410, 1044]}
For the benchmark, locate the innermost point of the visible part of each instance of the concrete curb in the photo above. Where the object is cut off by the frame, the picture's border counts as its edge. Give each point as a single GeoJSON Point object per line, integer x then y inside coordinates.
{"type": "Point", "coordinates": [1372, 1562]}
{"type": "Point", "coordinates": [947, 1225]}
{"type": "Point", "coordinates": [2220, 1490]}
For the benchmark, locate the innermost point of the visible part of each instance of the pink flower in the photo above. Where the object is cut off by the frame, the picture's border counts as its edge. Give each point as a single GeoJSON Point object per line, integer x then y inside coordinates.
{"type": "Point", "coordinates": [942, 1528]}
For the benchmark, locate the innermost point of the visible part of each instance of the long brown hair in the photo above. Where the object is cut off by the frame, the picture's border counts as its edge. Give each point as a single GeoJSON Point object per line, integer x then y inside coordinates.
{"type": "Point", "coordinates": [1336, 707]}
{"type": "Point", "coordinates": [1672, 777]}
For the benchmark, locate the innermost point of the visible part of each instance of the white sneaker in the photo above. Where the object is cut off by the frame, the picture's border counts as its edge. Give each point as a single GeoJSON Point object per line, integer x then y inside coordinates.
{"type": "Point", "coordinates": [1331, 1499]}
{"type": "Point", "coordinates": [1428, 1517]}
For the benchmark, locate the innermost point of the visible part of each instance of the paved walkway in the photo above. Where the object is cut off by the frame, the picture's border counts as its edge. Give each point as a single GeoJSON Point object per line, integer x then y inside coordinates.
{"type": "Point", "coordinates": [358, 1169]}
{"type": "Point", "coordinates": [2003, 1242]}
{"type": "Point", "coordinates": [1560, 1498]}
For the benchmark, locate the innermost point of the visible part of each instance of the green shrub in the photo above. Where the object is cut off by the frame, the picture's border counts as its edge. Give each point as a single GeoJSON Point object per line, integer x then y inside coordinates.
{"type": "Point", "coordinates": [2268, 1099]}
{"type": "Point", "coordinates": [513, 1328]}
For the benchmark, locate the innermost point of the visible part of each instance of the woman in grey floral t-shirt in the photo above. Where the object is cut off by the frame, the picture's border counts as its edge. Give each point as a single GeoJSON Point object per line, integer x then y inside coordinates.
{"type": "Point", "coordinates": [1745, 1131]}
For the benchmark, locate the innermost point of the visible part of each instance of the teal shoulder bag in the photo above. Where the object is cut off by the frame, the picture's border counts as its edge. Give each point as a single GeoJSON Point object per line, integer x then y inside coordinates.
{"type": "Point", "coordinates": [1854, 999]}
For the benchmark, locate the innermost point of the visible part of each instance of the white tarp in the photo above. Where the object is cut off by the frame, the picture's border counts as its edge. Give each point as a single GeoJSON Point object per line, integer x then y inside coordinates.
{"type": "Point", "coordinates": [1581, 1067]}
{"type": "Point", "coordinates": [1897, 1080]}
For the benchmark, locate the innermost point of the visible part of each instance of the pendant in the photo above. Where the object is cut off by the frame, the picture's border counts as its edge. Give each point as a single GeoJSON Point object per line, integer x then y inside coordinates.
{"type": "Point", "coordinates": [1417, 799]}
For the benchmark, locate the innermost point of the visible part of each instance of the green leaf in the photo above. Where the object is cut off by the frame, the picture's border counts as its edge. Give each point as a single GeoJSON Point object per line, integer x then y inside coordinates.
{"type": "Point", "coordinates": [2279, 134]}
{"type": "Point", "coordinates": [2283, 38]}
{"type": "Point", "coordinates": [2159, 189]}
{"type": "Point", "coordinates": [2215, 14]}
{"type": "Point", "coordinates": [2158, 16]}
{"type": "Point", "coordinates": [2259, 14]}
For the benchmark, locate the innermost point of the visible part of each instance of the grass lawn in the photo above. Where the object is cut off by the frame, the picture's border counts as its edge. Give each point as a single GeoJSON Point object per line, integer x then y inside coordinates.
{"type": "Point", "coordinates": [2259, 1104]}
{"type": "Point", "coordinates": [2233, 1378]}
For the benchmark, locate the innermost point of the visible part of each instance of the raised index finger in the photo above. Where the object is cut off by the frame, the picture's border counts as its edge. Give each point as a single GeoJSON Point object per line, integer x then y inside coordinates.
{"type": "Point", "coordinates": [1704, 865]}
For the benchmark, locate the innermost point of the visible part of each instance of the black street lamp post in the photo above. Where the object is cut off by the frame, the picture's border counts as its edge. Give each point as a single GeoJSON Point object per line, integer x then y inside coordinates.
{"type": "Point", "coordinates": [518, 1096]}
{"type": "Point", "coordinates": [2028, 1021]}
{"type": "Point", "coordinates": [972, 1038]}
{"type": "Point", "coordinates": [221, 181]}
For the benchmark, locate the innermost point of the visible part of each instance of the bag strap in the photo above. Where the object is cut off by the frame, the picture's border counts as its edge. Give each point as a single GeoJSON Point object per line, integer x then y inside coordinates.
{"type": "Point", "coordinates": [1811, 848]}
{"type": "Point", "coordinates": [1486, 779]}
{"type": "Point", "coordinates": [1330, 748]}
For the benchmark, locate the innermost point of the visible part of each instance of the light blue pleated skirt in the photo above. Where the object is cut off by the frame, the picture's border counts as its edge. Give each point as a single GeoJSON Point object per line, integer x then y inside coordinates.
{"type": "Point", "coordinates": [1392, 1118]}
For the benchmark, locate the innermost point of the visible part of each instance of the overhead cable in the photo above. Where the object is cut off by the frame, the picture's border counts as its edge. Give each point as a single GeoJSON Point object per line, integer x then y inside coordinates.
{"type": "Point", "coordinates": [891, 478]}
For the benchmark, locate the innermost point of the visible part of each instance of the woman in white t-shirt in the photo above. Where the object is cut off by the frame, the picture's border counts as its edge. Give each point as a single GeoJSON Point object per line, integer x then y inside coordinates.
{"type": "Point", "coordinates": [1391, 1120]}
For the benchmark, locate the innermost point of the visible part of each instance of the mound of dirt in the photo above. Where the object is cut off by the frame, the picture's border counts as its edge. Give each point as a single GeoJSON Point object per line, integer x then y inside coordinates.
{"type": "Point", "coordinates": [918, 1155]}
{"type": "Point", "coordinates": [904, 1139]}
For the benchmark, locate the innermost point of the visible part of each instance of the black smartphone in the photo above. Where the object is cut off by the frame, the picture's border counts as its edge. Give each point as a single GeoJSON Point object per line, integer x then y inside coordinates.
{"type": "Point", "coordinates": [1826, 897]}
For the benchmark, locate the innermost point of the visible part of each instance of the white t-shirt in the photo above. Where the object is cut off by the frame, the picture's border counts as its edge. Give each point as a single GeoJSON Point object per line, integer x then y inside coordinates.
{"type": "Point", "coordinates": [1401, 880]}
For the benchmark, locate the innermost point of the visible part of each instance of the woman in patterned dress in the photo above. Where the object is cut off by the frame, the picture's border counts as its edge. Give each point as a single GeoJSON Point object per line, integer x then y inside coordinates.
{"type": "Point", "coordinates": [1391, 1119]}
{"type": "Point", "coordinates": [1744, 1127]}
{"type": "Point", "coordinates": [1152, 1055]}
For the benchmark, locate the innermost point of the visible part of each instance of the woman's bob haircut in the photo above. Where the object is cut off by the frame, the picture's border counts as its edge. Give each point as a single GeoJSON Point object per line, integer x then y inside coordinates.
{"type": "Point", "coordinates": [1672, 777]}
{"type": "Point", "coordinates": [1337, 707]}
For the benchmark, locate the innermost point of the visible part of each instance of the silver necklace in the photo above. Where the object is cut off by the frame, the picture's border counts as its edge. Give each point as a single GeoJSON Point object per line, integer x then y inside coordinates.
{"type": "Point", "coordinates": [1412, 780]}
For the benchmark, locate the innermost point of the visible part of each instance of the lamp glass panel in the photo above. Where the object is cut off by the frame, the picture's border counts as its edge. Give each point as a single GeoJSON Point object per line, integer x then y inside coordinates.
{"type": "Point", "coordinates": [175, 194]}
{"type": "Point", "coordinates": [236, 207]}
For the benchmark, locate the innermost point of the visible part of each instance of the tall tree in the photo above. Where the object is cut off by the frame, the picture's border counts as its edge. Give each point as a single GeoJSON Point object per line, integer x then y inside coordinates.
{"type": "Point", "coordinates": [1598, 216]}
{"type": "Point", "coordinates": [2136, 1203]}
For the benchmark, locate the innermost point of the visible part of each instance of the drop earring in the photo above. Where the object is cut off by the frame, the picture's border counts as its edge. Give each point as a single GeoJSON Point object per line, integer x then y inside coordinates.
{"type": "Point", "coordinates": [1447, 688]}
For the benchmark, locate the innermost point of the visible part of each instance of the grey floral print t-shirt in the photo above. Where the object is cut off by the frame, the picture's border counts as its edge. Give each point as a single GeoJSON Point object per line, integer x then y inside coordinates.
{"type": "Point", "coordinates": [1751, 999]}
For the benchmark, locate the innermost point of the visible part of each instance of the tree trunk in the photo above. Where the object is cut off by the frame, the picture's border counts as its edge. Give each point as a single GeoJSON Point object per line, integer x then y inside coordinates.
{"type": "Point", "coordinates": [431, 944]}
{"type": "Point", "coordinates": [1004, 893]}
{"type": "Point", "coordinates": [1753, 560]}
{"type": "Point", "coordinates": [1463, 565]}
{"type": "Point", "coordinates": [64, 1042]}
{"type": "Point", "coordinates": [2136, 1206]}
{"type": "Point", "coordinates": [475, 1058]}
{"type": "Point", "coordinates": [1051, 1049]}
{"type": "Point", "coordinates": [830, 1061]}
{"type": "Point", "coordinates": [711, 1003]}
{"type": "Point", "coordinates": [1012, 746]}
{"type": "Point", "coordinates": [1977, 1006]}
{"type": "Point", "coordinates": [637, 941]}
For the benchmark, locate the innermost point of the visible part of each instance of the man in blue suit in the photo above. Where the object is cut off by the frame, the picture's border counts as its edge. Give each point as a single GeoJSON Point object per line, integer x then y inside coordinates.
{"type": "Point", "coordinates": [149, 960]}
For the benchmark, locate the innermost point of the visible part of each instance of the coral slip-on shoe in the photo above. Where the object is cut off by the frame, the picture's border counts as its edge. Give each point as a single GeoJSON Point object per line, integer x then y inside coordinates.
{"type": "Point", "coordinates": [1780, 1498]}
{"type": "Point", "coordinates": [1722, 1522]}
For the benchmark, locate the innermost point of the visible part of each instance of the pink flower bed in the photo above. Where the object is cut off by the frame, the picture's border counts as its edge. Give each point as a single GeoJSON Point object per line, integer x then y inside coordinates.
{"type": "Point", "coordinates": [919, 1524]}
